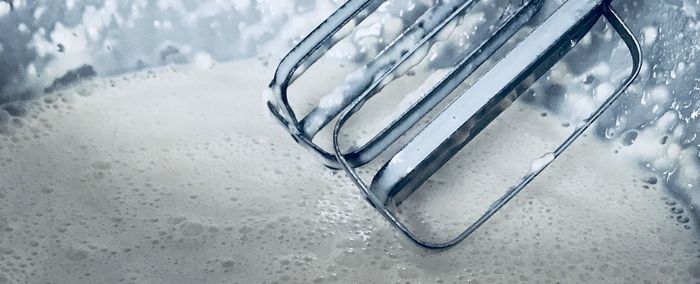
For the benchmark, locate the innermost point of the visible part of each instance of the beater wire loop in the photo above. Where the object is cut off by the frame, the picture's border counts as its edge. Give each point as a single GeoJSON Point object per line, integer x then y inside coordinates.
{"type": "Point", "coordinates": [463, 118]}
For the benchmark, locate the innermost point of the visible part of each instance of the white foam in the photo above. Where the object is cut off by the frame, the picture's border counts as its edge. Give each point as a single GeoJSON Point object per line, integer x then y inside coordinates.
{"type": "Point", "coordinates": [650, 35]}
{"type": "Point", "coordinates": [4, 8]}
{"type": "Point", "coordinates": [179, 175]}
{"type": "Point", "coordinates": [541, 163]}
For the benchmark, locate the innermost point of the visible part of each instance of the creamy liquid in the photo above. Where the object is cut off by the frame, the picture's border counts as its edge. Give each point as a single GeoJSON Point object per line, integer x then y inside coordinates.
{"type": "Point", "coordinates": [180, 175]}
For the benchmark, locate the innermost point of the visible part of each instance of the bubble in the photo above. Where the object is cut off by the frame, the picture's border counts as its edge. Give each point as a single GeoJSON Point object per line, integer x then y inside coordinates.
{"type": "Point", "coordinates": [15, 109]}
{"type": "Point", "coordinates": [682, 219]}
{"type": "Point", "coordinates": [407, 273]}
{"type": "Point", "coordinates": [226, 264]}
{"type": "Point", "coordinates": [175, 220]}
{"type": "Point", "coordinates": [629, 137]}
{"type": "Point", "coordinates": [676, 210]}
{"type": "Point", "coordinates": [349, 258]}
{"type": "Point", "coordinates": [651, 180]}
{"type": "Point", "coordinates": [191, 229]}
{"type": "Point", "coordinates": [101, 165]}
{"type": "Point", "coordinates": [75, 254]}
{"type": "Point", "coordinates": [609, 133]}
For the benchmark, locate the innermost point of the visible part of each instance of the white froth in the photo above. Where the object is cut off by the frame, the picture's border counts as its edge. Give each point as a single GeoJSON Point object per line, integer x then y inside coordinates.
{"type": "Point", "coordinates": [541, 163]}
{"type": "Point", "coordinates": [650, 35]}
{"type": "Point", "coordinates": [4, 8]}
{"type": "Point", "coordinates": [203, 60]}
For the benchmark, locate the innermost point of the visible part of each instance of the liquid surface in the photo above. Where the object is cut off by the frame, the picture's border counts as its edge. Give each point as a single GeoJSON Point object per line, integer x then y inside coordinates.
{"type": "Point", "coordinates": [179, 175]}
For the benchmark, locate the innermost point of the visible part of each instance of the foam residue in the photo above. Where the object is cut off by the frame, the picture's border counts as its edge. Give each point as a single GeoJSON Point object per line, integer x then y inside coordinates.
{"type": "Point", "coordinates": [541, 163]}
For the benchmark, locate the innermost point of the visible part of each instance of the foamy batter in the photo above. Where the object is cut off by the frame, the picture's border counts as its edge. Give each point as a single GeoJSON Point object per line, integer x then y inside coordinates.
{"type": "Point", "coordinates": [179, 175]}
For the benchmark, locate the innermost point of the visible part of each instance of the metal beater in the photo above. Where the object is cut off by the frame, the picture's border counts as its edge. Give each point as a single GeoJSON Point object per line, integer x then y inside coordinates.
{"type": "Point", "coordinates": [465, 116]}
